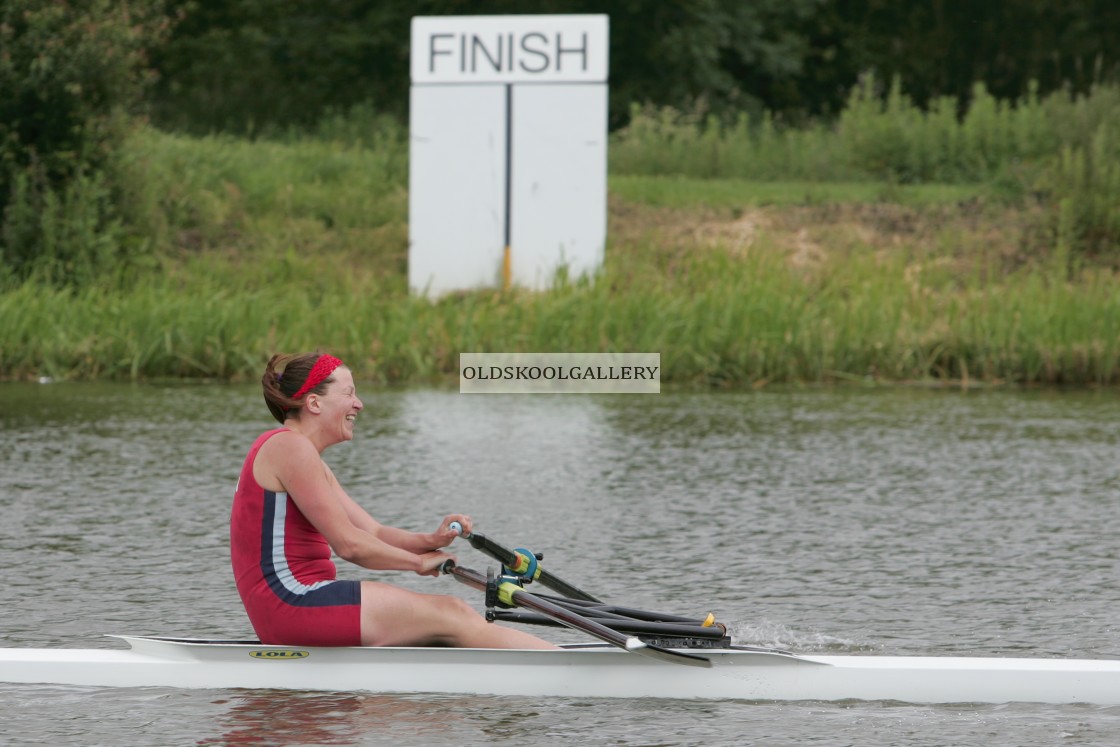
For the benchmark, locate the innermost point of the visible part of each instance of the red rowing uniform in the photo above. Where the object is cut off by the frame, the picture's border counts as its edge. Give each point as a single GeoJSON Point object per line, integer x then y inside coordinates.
{"type": "Point", "coordinates": [284, 571]}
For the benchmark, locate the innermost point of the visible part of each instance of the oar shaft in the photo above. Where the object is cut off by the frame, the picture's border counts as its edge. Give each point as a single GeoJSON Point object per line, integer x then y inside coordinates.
{"type": "Point", "coordinates": [522, 598]}
{"type": "Point", "coordinates": [466, 576]}
{"type": "Point", "coordinates": [630, 612]}
{"type": "Point", "coordinates": [531, 601]}
{"type": "Point", "coordinates": [632, 627]}
{"type": "Point", "coordinates": [508, 558]}
{"type": "Point", "coordinates": [611, 614]}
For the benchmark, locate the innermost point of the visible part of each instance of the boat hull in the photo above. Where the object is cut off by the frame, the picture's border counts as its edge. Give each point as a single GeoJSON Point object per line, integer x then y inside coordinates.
{"type": "Point", "coordinates": [585, 672]}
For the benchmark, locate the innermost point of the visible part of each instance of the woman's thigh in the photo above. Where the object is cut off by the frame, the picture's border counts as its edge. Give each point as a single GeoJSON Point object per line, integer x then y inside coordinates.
{"type": "Point", "coordinates": [392, 616]}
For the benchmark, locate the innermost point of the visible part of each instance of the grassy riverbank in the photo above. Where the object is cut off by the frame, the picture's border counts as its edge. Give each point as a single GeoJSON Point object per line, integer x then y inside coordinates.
{"type": "Point", "coordinates": [738, 294]}
{"type": "Point", "coordinates": [846, 274]}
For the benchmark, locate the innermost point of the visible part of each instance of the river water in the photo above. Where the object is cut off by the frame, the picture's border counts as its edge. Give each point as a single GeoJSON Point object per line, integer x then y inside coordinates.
{"type": "Point", "coordinates": [832, 521]}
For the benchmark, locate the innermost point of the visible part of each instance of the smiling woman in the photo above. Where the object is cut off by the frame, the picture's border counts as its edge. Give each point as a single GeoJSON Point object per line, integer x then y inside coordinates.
{"type": "Point", "coordinates": [290, 512]}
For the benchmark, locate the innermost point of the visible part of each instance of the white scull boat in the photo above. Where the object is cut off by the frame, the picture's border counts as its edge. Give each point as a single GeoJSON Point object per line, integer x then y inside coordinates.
{"type": "Point", "coordinates": [584, 671]}
{"type": "Point", "coordinates": [714, 669]}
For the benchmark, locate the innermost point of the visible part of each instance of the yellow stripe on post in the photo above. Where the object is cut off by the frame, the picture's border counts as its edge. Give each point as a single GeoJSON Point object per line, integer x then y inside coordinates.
{"type": "Point", "coordinates": [507, 268]}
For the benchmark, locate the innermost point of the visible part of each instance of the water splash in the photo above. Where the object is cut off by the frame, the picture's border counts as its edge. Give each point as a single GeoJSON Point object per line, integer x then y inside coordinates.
{"type": "Point", "coordinates": [776, 635]}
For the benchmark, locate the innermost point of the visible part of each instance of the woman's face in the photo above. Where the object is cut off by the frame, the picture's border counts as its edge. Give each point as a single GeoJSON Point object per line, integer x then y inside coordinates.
{"type": "Point", "coordinates": [340, 404]}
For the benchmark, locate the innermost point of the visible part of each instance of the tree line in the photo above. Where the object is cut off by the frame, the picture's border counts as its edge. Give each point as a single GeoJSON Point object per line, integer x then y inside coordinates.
{"type": "Point", "coordinates": [247, 65]}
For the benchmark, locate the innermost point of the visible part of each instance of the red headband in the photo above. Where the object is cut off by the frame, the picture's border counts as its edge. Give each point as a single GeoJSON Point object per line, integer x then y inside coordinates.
{"type": "Point", "coordinates": [323, 368]}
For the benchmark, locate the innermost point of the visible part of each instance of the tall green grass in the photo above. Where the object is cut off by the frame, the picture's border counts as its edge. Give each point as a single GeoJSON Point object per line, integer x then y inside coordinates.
{"type": "Point", "coordinates": [721, 318]}
{"type": "Point", "coordinates": [878, 136]}
{"type": "Point", "coordinates": [191, 192]}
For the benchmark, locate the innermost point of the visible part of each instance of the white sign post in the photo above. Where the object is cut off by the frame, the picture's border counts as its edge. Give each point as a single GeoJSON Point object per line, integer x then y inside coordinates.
{"type": "Point", "coordinates": [508, 150]}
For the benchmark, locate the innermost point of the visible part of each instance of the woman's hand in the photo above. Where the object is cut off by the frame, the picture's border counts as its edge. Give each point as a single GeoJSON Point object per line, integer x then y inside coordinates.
{"type": "Point", "coordinates": [430, 562]}
{"type": "Point", "coordinates": [445, 535]}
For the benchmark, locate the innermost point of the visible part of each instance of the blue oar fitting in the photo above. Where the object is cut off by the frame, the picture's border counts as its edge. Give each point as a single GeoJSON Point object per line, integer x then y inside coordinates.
{"type": "Point", "coordinates": [526, 566]}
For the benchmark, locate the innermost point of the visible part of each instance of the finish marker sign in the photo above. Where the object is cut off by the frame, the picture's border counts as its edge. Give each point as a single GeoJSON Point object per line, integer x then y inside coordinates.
{"type": "Point", "coordinates": [509, 49]}
{"type": "Point", "coordinates": [507, 150]}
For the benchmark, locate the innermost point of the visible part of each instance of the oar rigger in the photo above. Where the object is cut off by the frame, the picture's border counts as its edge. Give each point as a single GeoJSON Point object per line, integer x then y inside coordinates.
{"type": "Point", "coordinates": [512, 593]}
{"type": "Point", "coordinates": [648, 633]}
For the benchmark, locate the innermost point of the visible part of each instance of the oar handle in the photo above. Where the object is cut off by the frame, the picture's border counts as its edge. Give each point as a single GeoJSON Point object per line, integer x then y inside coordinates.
{"type": "Point", "coordinates": [480, 542]}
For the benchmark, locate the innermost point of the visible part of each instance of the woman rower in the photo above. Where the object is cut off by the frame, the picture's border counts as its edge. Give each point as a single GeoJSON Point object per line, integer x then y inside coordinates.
{"type": "Point", "coordinates": [289, 513]}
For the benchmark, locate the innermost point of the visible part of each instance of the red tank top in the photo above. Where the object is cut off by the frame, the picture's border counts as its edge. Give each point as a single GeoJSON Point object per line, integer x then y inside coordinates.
{"type": "Point", "coordinates": [274, 548]}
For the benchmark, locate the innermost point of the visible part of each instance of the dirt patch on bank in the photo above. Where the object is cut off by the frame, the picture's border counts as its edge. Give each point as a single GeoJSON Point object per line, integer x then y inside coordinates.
{"type": "Point", "coordinates": [967, 233]}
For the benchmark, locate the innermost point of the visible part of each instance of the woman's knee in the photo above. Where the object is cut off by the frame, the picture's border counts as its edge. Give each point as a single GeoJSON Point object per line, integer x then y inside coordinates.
{"type": "Point", "coordinates": [456, 608]}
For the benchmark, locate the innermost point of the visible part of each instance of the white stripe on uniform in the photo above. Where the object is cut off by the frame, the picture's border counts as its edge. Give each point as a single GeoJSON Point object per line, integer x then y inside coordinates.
{"type": "Point", "coordinates": [279, 559]}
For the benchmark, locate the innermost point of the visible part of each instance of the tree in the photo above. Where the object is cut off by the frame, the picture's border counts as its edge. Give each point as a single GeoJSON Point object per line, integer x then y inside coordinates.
{"type": "Point", "coordinates": [250, 64]}
{"type": "Point", "coordinates": [70, 73]}
{"type": "Point", "coordinates": [944, 47]}
{"type": "Point", "coordinates": [246, 64]}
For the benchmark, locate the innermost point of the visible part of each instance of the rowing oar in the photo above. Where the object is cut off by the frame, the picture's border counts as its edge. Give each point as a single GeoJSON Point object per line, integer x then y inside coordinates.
{"type": "Point", "coordinates": [522, 562]}
{"type": "Point", "coordinates": [514, 596]}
